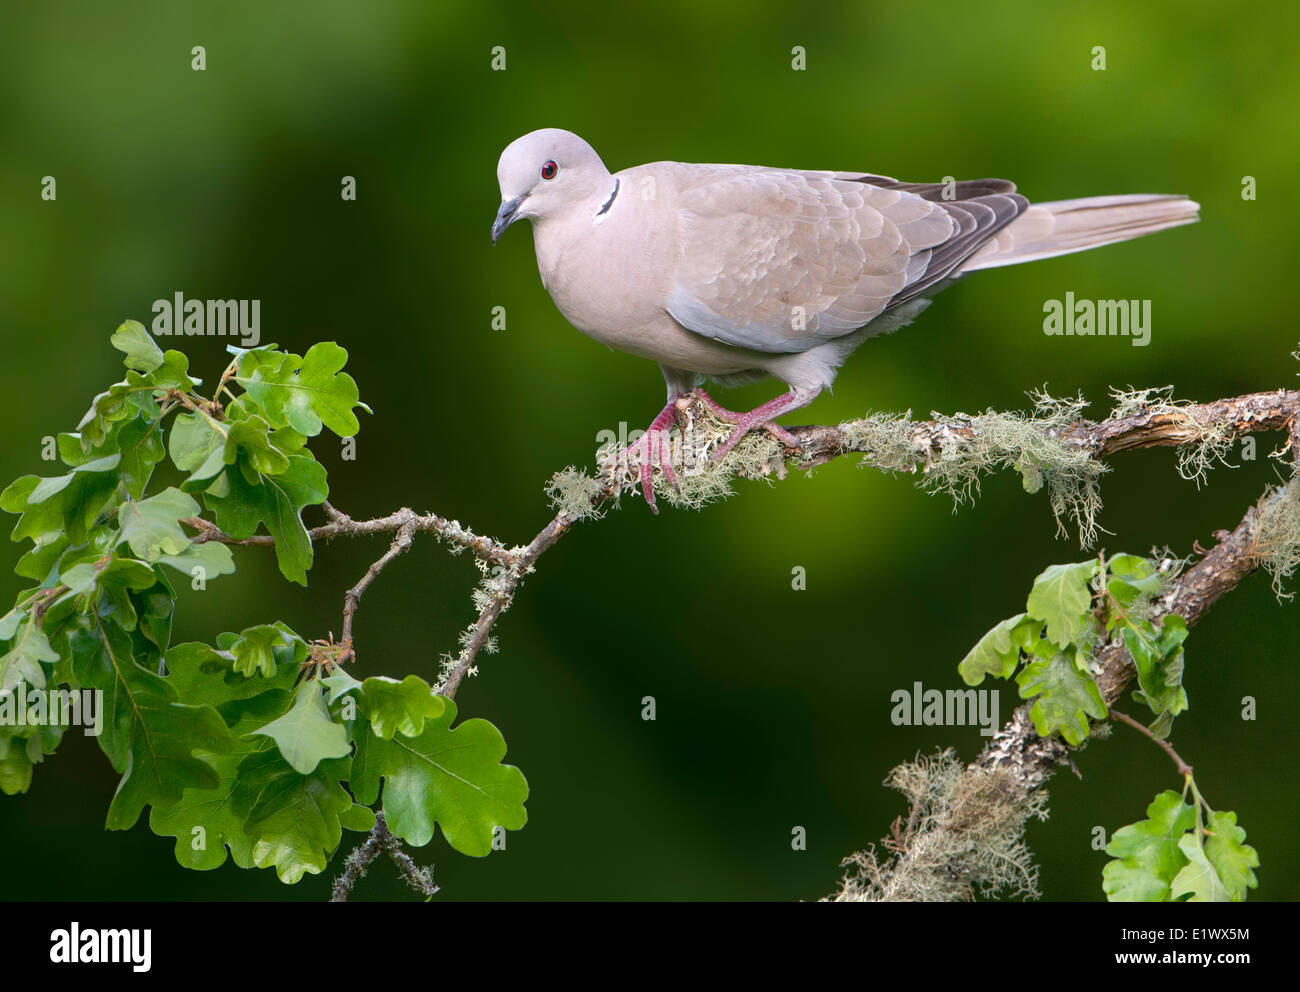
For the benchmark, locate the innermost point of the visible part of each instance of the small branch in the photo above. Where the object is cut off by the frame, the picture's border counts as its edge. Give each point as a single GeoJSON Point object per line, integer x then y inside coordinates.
{"type": "Point", "coordinates": [342, 524]}
{"type": "Point", "coordinates": [358, 862]}
{"type": "Point", "coordinates": [521, 565]}
{"type": "Point", "coordinates": [1183, 767]}
{"type": "Point", "coordinates": [420, 879]}
{"type": "Point", "coordinates": [401, 543]}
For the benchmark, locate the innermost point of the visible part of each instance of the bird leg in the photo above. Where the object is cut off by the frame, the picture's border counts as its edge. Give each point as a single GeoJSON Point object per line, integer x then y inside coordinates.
{"type": "Point", "coordinates": [653, 447]}
{"type": "Point", "coordinates": [759, 417]}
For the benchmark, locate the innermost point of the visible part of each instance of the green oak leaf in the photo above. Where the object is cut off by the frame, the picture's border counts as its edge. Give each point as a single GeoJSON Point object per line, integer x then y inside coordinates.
{"type": "Point", "coordinates": [1231, 857]}
{"type": "Point", "coordinates": [118, 573]}
{"type": "Point", "coordinates": [212, 557]}
{"type": "Point", "coordinates": [153, 607]}
{"type": "Point", "coordinates": [394, 707]}
{"type": "Point", "coordinates": [1158, 658]}
{"type": "Point", "coordinates": [56, 484]}
{"type": "Point", "coordinates": [295, 820]}
{"type": "Point", "coordinates": [1197, 879]}
{"type": "Point", "coordinates": [1131, 578]}
{"type": "Point", "coordinates": [450, 777]}
{"type": "Point", "coordinates": [208, 822]}
{"type": "Point", "coordinates": [1065, 699]}
{"type": "Point", "coordinates": [202, 674]}
{"type": "Point", "coordinates": [1147, 853]}
{"type": "Point", "coordinates": [197, 445]}
{"type": "Point", "coordinates": [1061, 596]}
{"type": "Point", "coordinates": [263, 648]}
{"type": "Point", "coordinates": [251, 436]}
{"type": "Point", "coordinates": [278, 502]}
{"type": "Point", "coordinates": [142, 354]}
{"type": "Point", "coordinates": [139, 442]}
{"type": "Point", "coordinates": [41, 560]}
{"type": "Point", "coordinates": [10, 621]}
{"type": "Point", "coordinates": [306, 392]}
{"type": "Point", "coordinates": [152, 526]}
{"type": "Point", "coordinates": [135, 395]}
{"type": "Point", "coordinates": [148, 736]}
{"type": "Point", "coordinates": [174, 372]}
{"type": "Point", "coordinates": [339, 684]}
{"type": "Point", "coordinates": [306, 735]}
{"type": "Point", "coordinates": [160, 776]}
{"type": "Point", "coordinates": [15, 766]}
{"type": "Point", "coordinates": [998, 652]}
{"type": "Point", "coordinates": [288, 440]}
{"type": "Point", "coordinates": [22, 662]}
{"type": "Point", "coordinates": [23, 747]}
{"type": "Point", "coordinates": [358, 818]}
{"type": "Point", "coordinates": [63, 506]}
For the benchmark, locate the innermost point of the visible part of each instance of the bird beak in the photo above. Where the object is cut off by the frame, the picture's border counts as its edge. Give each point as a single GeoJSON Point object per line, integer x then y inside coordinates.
{"type": "Point", "coordinates": [506, 216]}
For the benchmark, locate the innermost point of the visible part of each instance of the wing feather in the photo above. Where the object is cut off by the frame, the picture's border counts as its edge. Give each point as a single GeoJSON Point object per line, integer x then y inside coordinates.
{"type": "Point", "coordinates": [782, 261]}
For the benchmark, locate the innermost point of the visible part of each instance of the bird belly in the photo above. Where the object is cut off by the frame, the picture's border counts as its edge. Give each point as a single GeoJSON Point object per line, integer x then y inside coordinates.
{"type": "Point", "coordinates": [612, 300]}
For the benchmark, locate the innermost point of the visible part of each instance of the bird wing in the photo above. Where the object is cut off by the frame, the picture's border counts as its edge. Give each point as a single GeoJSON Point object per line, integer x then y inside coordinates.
{"type": "Point", "coordinates": [782, 261]}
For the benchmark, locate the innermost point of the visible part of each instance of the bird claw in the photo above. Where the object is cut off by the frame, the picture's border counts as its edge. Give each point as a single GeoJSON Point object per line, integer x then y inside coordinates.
{"type": "Point", "coordinates": [743, 428]}
{"type": "Point", "coordinates": [759, 419]}
{"type": "Point", "coordinates": [652, 448]}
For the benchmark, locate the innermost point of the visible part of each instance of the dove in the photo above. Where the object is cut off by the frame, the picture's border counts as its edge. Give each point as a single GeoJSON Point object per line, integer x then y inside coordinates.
{"type": "Point", "coordinates": [736, 273]}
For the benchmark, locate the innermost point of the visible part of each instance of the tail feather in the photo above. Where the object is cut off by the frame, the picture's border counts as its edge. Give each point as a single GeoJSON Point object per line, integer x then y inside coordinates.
{"type": "Point", "coordinates": [1059, 227]}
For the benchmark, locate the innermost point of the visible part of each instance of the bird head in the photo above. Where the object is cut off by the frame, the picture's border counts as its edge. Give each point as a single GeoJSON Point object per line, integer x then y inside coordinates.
{"type": "Point", "coordinates": [545, 174]}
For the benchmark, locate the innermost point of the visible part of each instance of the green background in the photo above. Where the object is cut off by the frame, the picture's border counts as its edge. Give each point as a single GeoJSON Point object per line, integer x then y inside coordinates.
{"type": "Point", "coordinates": [773, 705]}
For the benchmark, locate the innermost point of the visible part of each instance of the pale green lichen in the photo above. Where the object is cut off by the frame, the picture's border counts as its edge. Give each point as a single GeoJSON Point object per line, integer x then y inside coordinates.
{"type": "Point", "coordinates": [887, 441]}
{"type": "Point", "coordinates": [1277, 533]}
{"type": "Point", "coordinates": [963, 835]}
{"type": "Point", "coordinates": [576, 494]}
{"type": "Point", "coordinates": [700, 480]}
{"type": "Point", "coordinates": [756, 456]}
{"type": "Point", "coordinates": [1277, 524]}
{"type": "Point", "coordinates": [952, 454]}
{"type": "Point", "coordinates": [1133, 402]}
{"type": "Point", "coordinates": [960, 449]}
{"type": "Point", "coordinates": [1209, 444]}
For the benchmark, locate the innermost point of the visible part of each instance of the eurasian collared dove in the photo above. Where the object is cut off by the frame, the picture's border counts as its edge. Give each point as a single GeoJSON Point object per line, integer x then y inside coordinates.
{"type": "Point", "coordinates": [733, 273]}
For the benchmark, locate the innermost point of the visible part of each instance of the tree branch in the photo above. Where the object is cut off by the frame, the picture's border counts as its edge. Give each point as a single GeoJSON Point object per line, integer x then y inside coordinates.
{"type": "Point", "coordinates": [381, 838]}
{"type": "Point", "coordinates": [1142, 419]}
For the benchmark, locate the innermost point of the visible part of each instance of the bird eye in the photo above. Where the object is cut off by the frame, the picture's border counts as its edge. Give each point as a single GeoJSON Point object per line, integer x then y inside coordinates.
{"type": "Point", "coordinates": [550, 170]}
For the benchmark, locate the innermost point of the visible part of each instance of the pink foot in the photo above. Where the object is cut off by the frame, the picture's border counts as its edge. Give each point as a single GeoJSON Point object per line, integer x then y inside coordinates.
{"type": "Point", "coordinates": [654, 447]}
{"type": "Point", "coordinates": [760, 417]}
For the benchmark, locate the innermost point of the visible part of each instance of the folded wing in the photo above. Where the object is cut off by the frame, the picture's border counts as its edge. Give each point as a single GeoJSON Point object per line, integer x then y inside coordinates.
{"type": "Point", "coordinates": [782, 261]}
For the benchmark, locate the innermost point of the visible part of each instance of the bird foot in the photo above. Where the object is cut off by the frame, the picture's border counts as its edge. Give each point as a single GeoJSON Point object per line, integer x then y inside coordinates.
{"type": "Point", "coordinates": [652, 448]}
{"type": "Point", "coordinates": [760, 418]}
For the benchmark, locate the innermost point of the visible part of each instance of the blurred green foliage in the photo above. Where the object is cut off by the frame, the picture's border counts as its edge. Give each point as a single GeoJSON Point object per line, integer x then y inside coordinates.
{"type": "Point", "coordinates": [772, 703]}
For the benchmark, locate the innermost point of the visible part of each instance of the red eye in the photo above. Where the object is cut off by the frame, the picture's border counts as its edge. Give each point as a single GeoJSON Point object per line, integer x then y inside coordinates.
{"type": "Point", "coordinates": [550, 170]}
